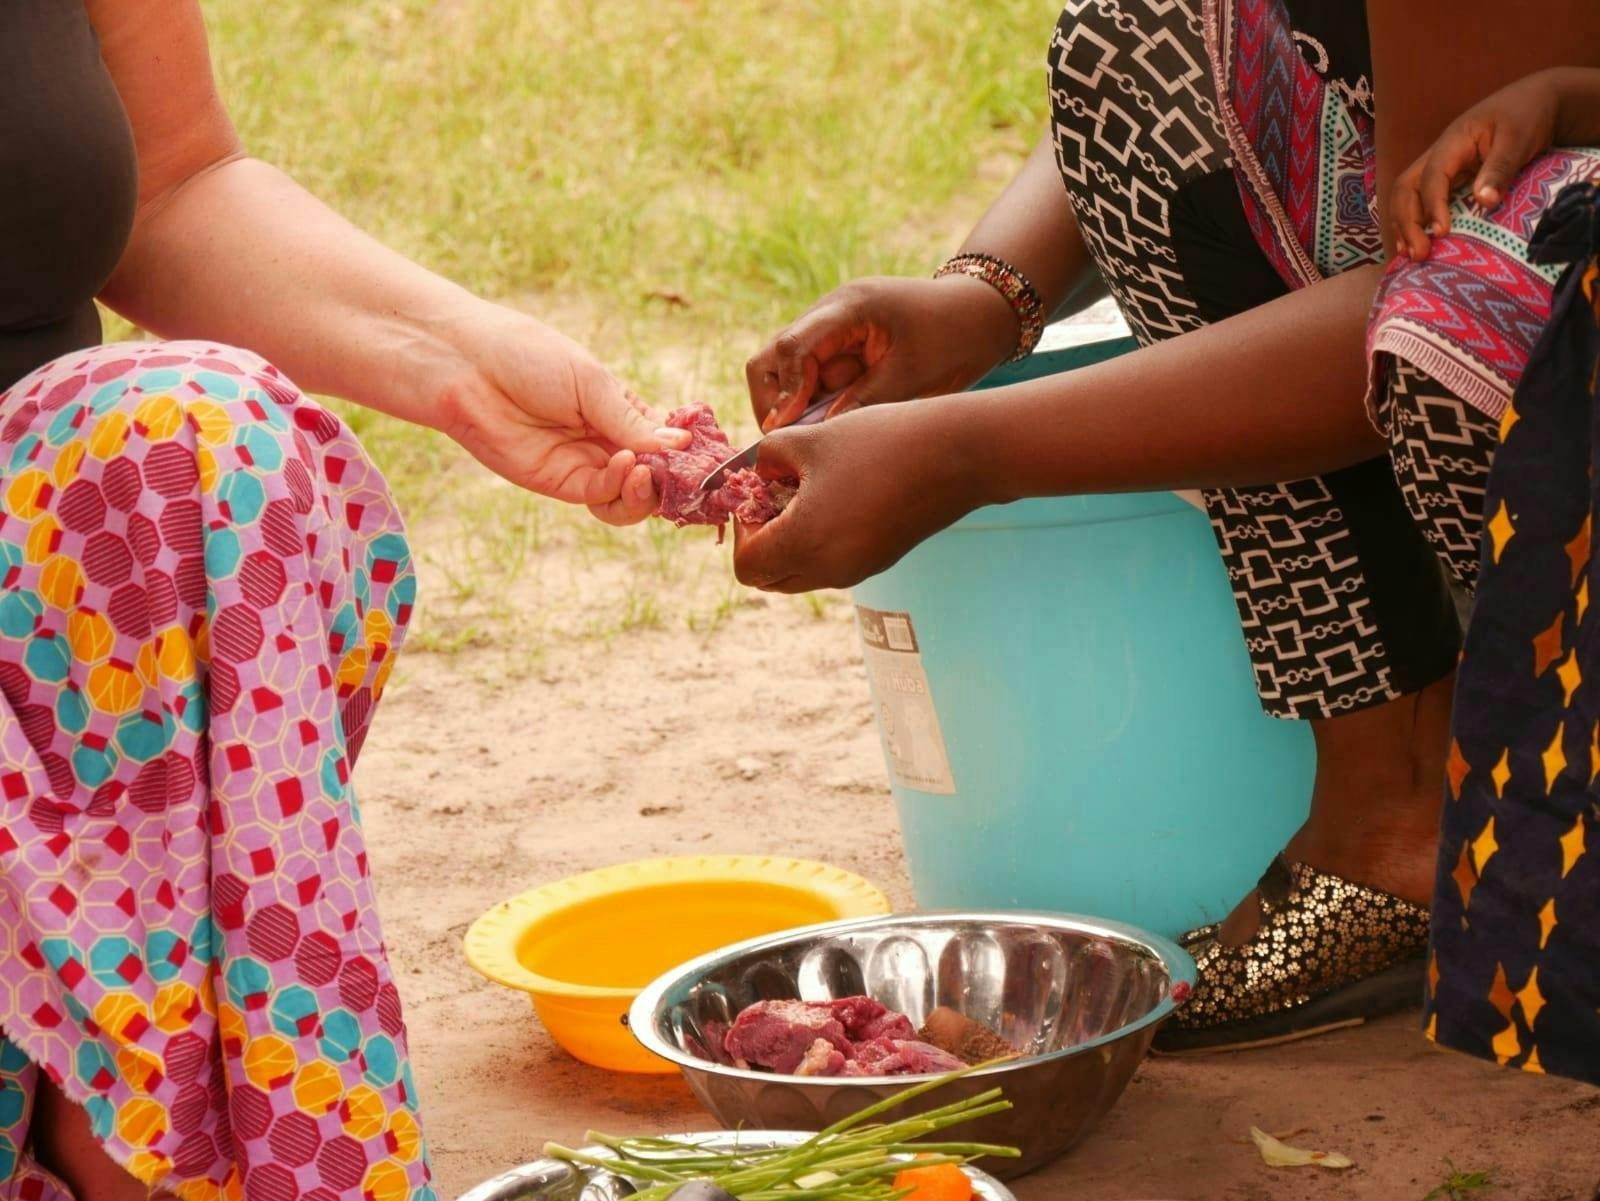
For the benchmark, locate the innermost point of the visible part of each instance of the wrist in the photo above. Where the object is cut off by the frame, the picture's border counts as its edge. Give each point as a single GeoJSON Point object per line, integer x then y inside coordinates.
{"type": "Point", "coordinates": [983, 316]}
{"type": "Point", "coordinates": [967, 467]}
{"type": "Point", "coordinates": [1015, 288]}
{"type": "Point", "coordinates": [451, 354]}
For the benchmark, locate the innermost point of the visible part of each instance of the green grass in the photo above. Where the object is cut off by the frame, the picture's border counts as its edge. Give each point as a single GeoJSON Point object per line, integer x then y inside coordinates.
{"type": "Point", "coordinates": [741, 155]}
{"type": "Point", "coordinates": [1458, 1185]}
{"type": "Point", "coordinates": [670, 182]}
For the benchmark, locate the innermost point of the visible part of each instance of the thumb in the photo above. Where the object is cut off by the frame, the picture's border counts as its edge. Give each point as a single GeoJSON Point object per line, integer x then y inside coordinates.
{"type": "Point", "coordinates": [782, 454]}
{"type": "Point", "coordinates": [621, 418]}
{"type": "Point", "coordinates": [1506, 156]}
{"type": "Point", "coordinates": [763, 556]}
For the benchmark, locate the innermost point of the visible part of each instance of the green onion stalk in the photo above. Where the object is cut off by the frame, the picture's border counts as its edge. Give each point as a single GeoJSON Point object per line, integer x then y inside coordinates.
{"type": "Point", "coordinates": [855, 1159]}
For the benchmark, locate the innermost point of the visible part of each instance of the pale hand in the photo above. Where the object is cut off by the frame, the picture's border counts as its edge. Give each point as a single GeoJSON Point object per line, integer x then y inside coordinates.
{"type": "Point", "coordinates": [533, 406]}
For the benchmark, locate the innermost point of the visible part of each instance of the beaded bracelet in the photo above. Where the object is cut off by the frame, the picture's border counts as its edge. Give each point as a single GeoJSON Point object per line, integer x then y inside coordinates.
{"type": "Point", "coordinates": [1011, 284]}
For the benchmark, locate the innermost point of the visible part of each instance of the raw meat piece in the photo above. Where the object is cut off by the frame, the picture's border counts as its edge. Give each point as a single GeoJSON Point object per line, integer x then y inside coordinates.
{"type": "Point", "coordinates": [958, 1034]}
{"type": "Point", "coordinates": [744, 495]}
{"type": "Point", "coordinates": [911, 1057]}
{"type": "Point", "coordinates": [714, 1048]}
{"type": "Point", "coordinates": [889, 1025]}
{"type": "Point", "coordinates": [868, 1055]}
{"type": "Point", "coordinates": [855, 1012]}
{"type": "Point", "coordinates": [864, 1019]}
{"type": "Point", "coordinates": [900, 1057]}
{"type": "Point", "coordinates": [823, 1059]}
{"type": "Point", "coordinates": [777, 1034]}
{"type": "Point", "coordinates": [849, 1036]}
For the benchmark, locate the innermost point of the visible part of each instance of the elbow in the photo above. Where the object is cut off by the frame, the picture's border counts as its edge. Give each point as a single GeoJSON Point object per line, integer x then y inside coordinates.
{"type": "Point", "coordinates": [164, 195]}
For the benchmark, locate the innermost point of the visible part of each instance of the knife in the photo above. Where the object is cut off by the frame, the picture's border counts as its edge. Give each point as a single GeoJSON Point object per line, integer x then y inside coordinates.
{"type": "Point", "coordinates": [813, 413]}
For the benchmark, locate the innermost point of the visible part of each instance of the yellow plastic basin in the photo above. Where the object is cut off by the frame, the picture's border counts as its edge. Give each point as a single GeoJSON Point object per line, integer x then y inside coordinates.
{"type": "Point", "coordinates": [582, 948]}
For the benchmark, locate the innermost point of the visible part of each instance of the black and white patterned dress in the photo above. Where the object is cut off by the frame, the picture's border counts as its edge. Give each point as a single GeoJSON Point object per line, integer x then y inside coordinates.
{"type": "Point", "coordinates": [1343, 601]}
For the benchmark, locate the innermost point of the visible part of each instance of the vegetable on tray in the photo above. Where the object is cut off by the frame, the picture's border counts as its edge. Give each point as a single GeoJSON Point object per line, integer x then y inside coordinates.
{"type": "Point", "coordinates": [856, 1159]}
{"type": "Point", "coordinates": [934, 1182]}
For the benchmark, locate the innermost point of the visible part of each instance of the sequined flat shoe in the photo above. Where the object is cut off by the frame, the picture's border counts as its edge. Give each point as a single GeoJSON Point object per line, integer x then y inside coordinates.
{"type": "Point", "coordinates": [1328, 953]}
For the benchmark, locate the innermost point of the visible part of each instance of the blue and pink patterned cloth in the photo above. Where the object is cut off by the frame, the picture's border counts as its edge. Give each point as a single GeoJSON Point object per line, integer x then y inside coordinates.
{"type": "Point", "coordinates": [204, 584]}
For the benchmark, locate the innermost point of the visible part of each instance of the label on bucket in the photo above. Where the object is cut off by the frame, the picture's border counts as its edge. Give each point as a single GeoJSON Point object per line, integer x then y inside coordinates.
{"type": "Point", "coordinates": [907, 719]}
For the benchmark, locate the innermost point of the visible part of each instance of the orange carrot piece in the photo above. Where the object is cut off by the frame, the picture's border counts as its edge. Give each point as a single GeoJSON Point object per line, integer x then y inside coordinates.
{"type": "Point", "coordinates": [936, 1182]}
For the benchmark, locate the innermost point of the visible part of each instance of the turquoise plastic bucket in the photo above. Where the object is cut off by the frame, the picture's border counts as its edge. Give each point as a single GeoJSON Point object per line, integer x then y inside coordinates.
{"type": "Point", "coordinates": [1103, 750]}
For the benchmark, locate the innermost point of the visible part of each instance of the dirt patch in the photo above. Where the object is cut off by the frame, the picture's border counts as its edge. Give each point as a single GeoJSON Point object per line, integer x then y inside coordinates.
{"type": "Point", "coordinates": [473, 792]}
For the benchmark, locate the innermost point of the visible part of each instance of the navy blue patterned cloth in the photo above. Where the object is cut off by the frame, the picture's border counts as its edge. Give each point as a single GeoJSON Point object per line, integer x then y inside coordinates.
{"type": "Point", "coordinates": [1514, 973]}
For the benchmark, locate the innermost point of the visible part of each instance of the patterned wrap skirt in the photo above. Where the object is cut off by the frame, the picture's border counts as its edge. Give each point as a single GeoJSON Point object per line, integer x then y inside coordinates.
{"type": "Point", "coordinates": [204, 584]}
{"type": "Point", "coordinates": [1515, 968]}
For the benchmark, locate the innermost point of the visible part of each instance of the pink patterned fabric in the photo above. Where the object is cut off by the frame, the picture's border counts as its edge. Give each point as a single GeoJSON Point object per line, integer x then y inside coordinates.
{"type": "Point", "coordinates": [1303, 150]}
{"type": "Point", "coordinates": [1469, 316]}
{"type": "Point", "coordinates": [1471, 313]}
{"type": "Point", "coordinates": [203, 587]}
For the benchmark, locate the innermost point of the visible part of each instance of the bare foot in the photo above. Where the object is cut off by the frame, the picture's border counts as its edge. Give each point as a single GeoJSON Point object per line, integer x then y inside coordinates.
{"type": "Point", "coordinates": [1375, 806]}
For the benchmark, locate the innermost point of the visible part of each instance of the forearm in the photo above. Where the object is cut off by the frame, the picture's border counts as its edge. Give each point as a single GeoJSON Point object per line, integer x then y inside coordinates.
{"type": "Point", "coordinates": [1578, 121]}
{"type": "Point", "coordinates": [1031, 226]}
{"type": "Point", "coordinates": [241, 254]}
{"type": "Point", "coordinates": [1273, 394]}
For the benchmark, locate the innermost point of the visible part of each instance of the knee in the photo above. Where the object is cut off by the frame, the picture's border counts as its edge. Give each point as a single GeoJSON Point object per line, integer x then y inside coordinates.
{"type": "Point", "coordinates": [109, 394]}
{"type": "Point", "coordinates": [205, 435]}
{"type": "Point", "coordinates": [1403, 338]}
{"type": "Point", "coordinates": [204, 398]}
{"type": "Point", "coordinates": [149, 383]}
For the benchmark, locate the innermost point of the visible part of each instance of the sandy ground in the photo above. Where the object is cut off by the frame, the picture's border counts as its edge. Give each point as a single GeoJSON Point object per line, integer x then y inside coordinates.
{"type": "Point", "coordinates": [484, 778]}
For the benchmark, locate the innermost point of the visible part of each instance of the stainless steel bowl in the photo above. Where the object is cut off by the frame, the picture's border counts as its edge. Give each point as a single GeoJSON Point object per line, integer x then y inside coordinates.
{"type": "Point", "coordinates": [1080, 997]}
{"type": "Point", "coordinates": [553, 1180]}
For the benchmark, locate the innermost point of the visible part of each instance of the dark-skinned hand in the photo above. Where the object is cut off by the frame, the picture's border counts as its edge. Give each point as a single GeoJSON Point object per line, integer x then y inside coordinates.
{"type": "Point", "coordinates": [882, 339]}
{"type": "Point", "coordinates": [873, 484]}
{"type": "Point", "coordinates": [1489, 145]}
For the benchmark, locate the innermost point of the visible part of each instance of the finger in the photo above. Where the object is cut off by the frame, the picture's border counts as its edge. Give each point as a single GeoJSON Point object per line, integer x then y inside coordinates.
{"type": "Point", "coordinates": [840, 372]}
{"type": "Point", "coordinates": [1406, 216]}
{"type": "Point", "coordinates": [858, 384]}
{"type": "Point", "coordinates": [796, 387]}
{"type": "Point", "coordinates": [1448, 167]}
{"type": "Point", "coordinates": [761, 378]}
{"type": "Point", "coordinates": [829, 331]}
{"type": "Point", "coordinates": [617, 415]}
{"type": "Point", "coordinates": [758, 553]}
{"type": "Point", "coordinates": [1439, 179]}
{"type": "Point", "coordinates": [673, 438]}
{"type": "Point", "coordinates": [636, 501]}
{"type": "Point", "coordinates": [1505, 159]}
{"type": "Point", "coordinates": [782, 455]}
{"type": "Point", "coordinates": [670, 436]}
{"type": "Point", "coordinates": [764, 554]}
{"type": "Point", "coordinates": [792, 585]}
{"type": "Point", "coordinates": [881, 382]}
{"type": "Point", "coordinates": [605, 485]}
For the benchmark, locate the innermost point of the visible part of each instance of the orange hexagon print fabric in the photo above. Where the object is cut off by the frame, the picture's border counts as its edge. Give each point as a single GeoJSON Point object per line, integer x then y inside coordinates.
{"type": "Point", "coordinates": [203, 587]}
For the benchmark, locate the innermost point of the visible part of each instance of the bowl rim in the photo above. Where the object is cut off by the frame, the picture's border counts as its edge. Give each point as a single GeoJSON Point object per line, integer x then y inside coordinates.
{"type": "Point", "coordinates": [1179, 963]}
{"type": "Point", "coordinates": [491, 941]}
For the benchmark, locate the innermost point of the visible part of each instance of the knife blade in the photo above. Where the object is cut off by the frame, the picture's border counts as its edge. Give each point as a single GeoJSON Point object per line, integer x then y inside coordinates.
{"type": "Point", "coordinates": [813, 413]}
